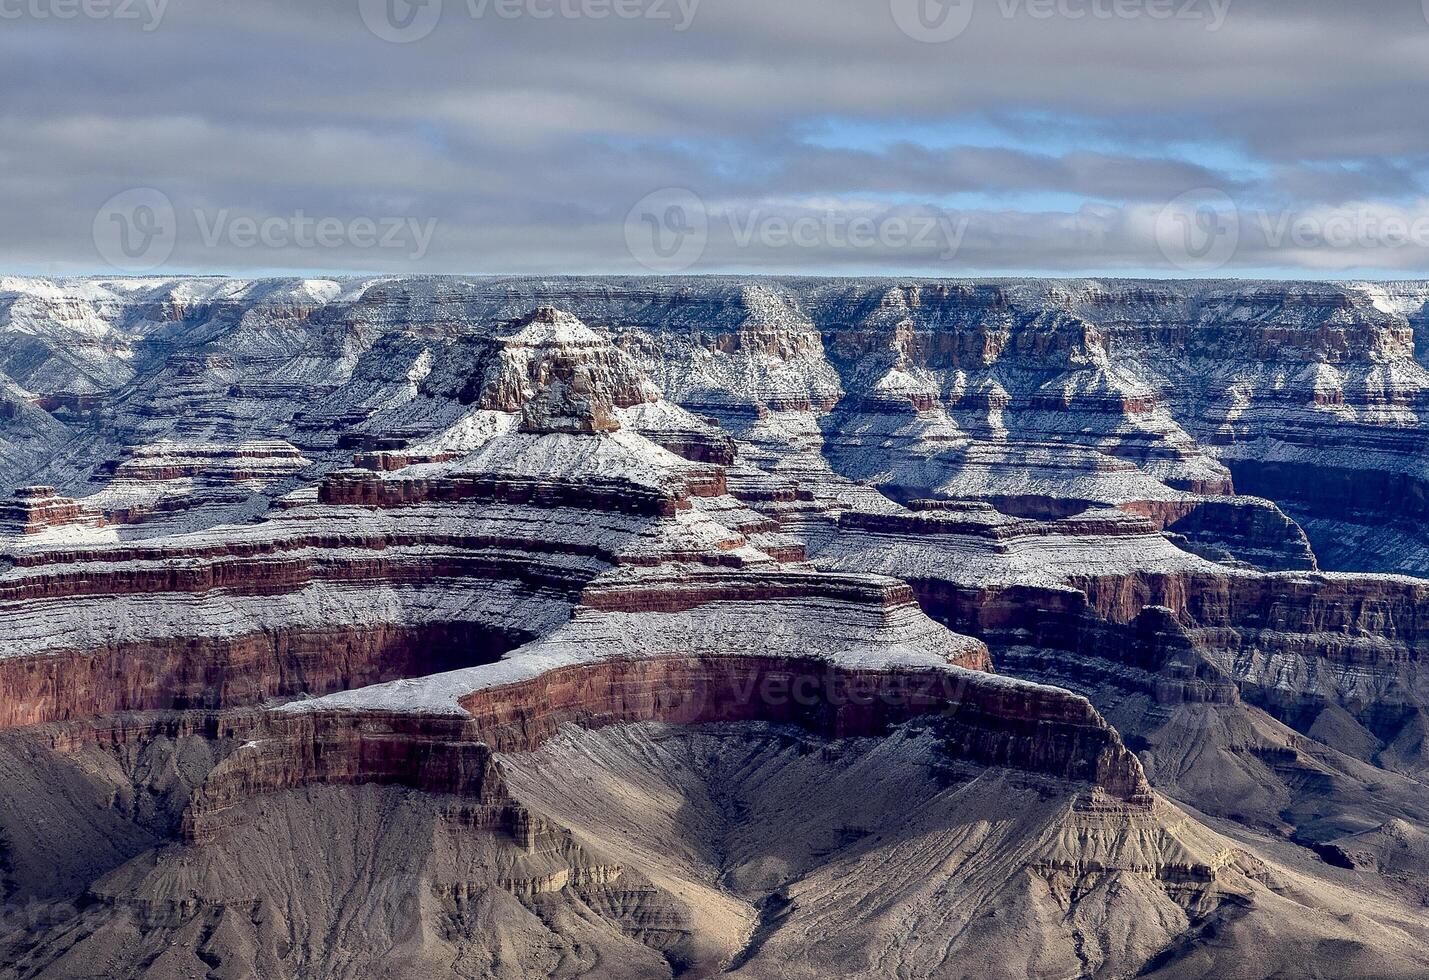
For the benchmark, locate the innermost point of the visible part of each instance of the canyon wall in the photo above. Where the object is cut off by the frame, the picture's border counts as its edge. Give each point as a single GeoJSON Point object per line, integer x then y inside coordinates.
{"type": "Point", "coordinates": [398, 534]}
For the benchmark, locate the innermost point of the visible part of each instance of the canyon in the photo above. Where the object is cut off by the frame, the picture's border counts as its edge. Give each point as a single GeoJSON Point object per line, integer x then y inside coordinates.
{"type": "Point", "coordinates": [506, 627]}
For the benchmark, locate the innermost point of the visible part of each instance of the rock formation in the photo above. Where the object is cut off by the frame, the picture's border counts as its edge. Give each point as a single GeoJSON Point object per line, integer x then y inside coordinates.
{"type": "Point", "coordinates": [772, 627]}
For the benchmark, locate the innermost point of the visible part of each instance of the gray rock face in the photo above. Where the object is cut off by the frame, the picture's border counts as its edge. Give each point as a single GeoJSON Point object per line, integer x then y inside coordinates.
{"type": "Point", "coordinates": [276, 547]}
{"type": "Point", "coordinates": [1032, 395]}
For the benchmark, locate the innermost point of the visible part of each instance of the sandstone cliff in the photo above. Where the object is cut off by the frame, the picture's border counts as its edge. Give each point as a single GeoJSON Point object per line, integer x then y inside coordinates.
{"type": "Point", "coordinates": [477, 560]}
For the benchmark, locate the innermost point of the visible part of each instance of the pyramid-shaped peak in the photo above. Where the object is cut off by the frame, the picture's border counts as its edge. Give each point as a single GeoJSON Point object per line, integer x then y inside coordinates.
{"type": "Point", "coordinates": [548, 326]}
{"type": "Point", "coordinates": [549, 346]}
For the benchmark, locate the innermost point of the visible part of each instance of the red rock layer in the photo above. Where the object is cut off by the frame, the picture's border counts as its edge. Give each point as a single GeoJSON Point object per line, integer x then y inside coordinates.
{"type": "Point", "coordinates": [367, 489]}
{"type": "Point", "coordinates": [271, 568]}
{"type": "Point", "coordinates": [697, 588]}
{"type": "Point", "coordinates": [35, 509]}
{"type": "Point", "coordinates": [987, 721]}
{"type": "Point", "coordinates": [211, 673]}
{"type": "Point", "coordinates": [1359, 641]}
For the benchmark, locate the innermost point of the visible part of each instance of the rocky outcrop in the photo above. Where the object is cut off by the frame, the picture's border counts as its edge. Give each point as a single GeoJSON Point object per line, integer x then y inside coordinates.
{"type": "Point", "coordinates": [1236, 531]}
{"type": "Point", "coordinates": [383, 737]}
{"type": "Point", "coordinates": [404, 572]}
{"type": "Point", "coordinates": [199, 672]}
{"type": "Point", "coordinates": [1183, 383]}
{"type": "Point", "coordinates": [1040, 399]}
{"type": "Point", "coordinates": [452, 521]}
{"type": "Point", "coordinates": [720, 847]}
{"type": "Point", "coordinates": [35, 509]}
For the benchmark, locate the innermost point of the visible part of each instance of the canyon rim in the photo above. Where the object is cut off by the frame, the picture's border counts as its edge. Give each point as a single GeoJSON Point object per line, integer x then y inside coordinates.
{"type": "Point", "coordinates": [768, 627]}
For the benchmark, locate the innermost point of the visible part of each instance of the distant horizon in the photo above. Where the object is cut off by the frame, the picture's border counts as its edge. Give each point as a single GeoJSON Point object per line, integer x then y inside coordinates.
{"type": "Point", "coordinates": [887, 276]}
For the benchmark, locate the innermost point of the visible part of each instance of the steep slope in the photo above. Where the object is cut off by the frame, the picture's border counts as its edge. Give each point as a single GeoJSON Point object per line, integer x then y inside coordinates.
{"type": "Point", "coordinates": [757, 850]}
{"type": "Point", "coordinates": [502, 579]}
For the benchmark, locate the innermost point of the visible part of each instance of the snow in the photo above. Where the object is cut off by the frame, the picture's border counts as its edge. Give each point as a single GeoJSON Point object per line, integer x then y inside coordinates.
{"type": "Point", "coordinates": [1094, 391]}
{"type": "Point", "coordinates": [813, 630]}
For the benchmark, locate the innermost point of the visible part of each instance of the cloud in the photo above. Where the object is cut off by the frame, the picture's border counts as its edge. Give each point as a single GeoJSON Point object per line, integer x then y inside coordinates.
{"type": "Point", "coordinates": [528, 137]}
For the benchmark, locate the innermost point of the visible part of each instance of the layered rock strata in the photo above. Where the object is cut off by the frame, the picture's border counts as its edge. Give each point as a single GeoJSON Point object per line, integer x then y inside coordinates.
{"type": "Point", "coordinates": [454, 518]}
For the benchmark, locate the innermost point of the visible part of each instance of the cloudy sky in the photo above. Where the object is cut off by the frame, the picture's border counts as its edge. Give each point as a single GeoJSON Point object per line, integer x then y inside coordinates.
{"type": "Point", "coordinates": [966, 137]}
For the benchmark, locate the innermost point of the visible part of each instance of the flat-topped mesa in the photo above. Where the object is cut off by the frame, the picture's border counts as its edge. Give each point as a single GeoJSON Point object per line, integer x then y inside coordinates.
{"type": "Point", "coordinates": [1107, 600]}
{"type": "Point", "coordinates": [439, 734]}
{"type": "Point", "coordinates": [843, 655]}
{"type": "Point", "coordinates": [979, 520]}
{"type": "Point", "coordinates": [459, 561]}
{"type": "Point", "coordinates": [1246, 533]}
{"type": "Point", "coordinates": [163, 478]}
{"type": "Point", "coordinates": [983, 550]}
{"type": "Point", "coordinates": [1237, 531]}
{"type": "Point", "coordinates": [1131, 611]}
{"type": "Point", "coordinates": [637, 590]}
{"type": "Point", "coordinates": [367, 488]}
{"type": "Point", "coordinates": [38, 508]}
{"type": "Point", "coordinates": [215, 462]}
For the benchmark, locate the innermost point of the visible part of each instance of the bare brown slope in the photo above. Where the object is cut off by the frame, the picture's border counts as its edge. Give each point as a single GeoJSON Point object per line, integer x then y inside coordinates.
{"type": "Point", "coordinates": [759, 850]}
